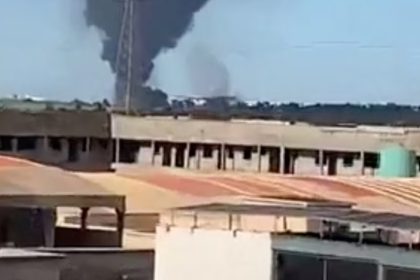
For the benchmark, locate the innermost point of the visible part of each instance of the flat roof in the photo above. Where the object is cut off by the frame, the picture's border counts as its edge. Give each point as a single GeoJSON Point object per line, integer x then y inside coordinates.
{"type": "Point", "coordinates": [385, 255]}
{"type": "Point", "coordinates": [14, 253]}
{"type": "Point", "coordinates": [344, 215]}
{"type": "Point", "coordinates": [27, 184]}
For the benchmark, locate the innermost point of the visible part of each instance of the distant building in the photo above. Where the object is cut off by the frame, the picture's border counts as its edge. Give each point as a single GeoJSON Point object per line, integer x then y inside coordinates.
{"type": "Point", "coordinates": [253, 145]}
{"type": "Point", "coordinates": [81, 136]}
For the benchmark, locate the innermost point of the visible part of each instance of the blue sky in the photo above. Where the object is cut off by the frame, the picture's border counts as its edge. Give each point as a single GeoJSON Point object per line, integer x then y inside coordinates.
{"type": "Point", "coordinates": [282, 50]}
{"type": "Point", "coordinates": [303, 50]}
{"type": "Point", "coordinates": [47, 51]}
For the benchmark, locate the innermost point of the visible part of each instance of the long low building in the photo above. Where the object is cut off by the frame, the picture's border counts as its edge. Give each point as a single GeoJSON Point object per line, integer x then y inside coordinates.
{"type": "Point", "coordinates": [262, 146]}
{"type": "Point", "coordinates": [92, 139]}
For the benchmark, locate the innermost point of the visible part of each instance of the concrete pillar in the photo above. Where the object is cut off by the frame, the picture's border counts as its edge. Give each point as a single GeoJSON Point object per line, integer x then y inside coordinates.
{"type": "Point", "coordinates": [14, 145]}
{"type": "Point", "coordinates": [282, 159]}
{"type": "Point", "coordinates": [87, 147]}
{"type": "Point", "coordinates": [223, 156]}
{"type": "Point", "coordinates": [120, 226]}
{"type": "Point", "coordinates": [362, 163]}
{"type": "Point", "coordinates": [187, 155]}
{"type": "Point", "coordinates": [259, 158]}
{"type": "Point", "coordinates": [83, 217]}
{"type": "Point", "coordinates": [321, 162]}
{"type": "Point", "coordinates": [380, 272]}
{"type": "Point", "coordinates": [324, 269]}
{"type": "Point", "coordinates": [117, 150]}
{"type": "Point", "coordinates": [45, 146]}
{"type": "Point", "coordinates": [198, 156]}
{"type": "Point", "coordinates": [173, 156]}
{"type": "Point", "coordinates": [153, 147]}
{"type": "Point", "coordinates": [49, 219]}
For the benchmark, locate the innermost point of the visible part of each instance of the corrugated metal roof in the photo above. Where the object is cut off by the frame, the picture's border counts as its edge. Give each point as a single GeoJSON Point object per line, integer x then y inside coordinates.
{"type": "Point", "coordinates": [395, 195]}
{"type": "Point", "coordinates": [23, 183]}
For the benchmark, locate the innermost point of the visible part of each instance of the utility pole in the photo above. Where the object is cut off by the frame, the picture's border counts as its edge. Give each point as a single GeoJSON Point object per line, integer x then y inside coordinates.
{"type": "Point", "coordinates": [124, 63]}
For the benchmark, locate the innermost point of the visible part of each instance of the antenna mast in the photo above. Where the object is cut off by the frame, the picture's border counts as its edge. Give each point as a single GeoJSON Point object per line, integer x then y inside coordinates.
{"type": "Point", "coordinates": [124, 63]}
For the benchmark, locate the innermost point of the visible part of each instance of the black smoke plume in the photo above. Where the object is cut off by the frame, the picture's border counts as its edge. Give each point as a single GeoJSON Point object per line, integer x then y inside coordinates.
{"type": "Point", "coordinates": [159, 24]}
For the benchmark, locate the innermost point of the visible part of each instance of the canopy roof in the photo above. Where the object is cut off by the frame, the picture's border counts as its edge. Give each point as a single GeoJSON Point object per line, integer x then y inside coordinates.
{"type": "Point", "coordinates": [24, 183]}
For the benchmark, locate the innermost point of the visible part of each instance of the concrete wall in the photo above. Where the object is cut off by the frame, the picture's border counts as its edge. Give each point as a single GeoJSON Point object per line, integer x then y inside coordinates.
{"type": "Point", "coordinates": [26, 227]}
{"type": "Point", "coordinates": [75, 237]}
{"type": "Point", "coordinates": [30, 268]}
{"type": "Point", "coordinates": [106, 264]}
{"type": "Point", "coordinates": [183, 254]}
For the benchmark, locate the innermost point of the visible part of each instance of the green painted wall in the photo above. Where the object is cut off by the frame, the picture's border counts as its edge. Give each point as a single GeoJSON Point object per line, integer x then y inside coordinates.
{"type": "Point", "coordinates": [397, 162]}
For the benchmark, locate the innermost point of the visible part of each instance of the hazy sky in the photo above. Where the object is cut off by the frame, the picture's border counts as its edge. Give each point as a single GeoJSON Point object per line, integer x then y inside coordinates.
{"type": "Point", "coordinates": [285, 50]}
{"type": "Point", "coordinates": [46, 50]}
{"type": "Point", "coordinates": [305, 50]}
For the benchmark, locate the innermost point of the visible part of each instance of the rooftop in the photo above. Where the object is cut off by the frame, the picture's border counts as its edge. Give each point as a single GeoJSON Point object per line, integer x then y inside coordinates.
{"type": "Point", "coordinates": [24, 183]}
{"type": "Point", "coordinates": [342, 215]}
{"type": "Point", "coordinates": [367, 193]}
{"type": "Point", "coordinates": [13, 253]}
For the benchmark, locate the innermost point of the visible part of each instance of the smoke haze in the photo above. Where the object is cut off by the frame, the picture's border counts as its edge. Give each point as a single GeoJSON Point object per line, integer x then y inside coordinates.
{"type": "Point", "coordinates": [300, 51]}
{"type": "Point", "coordinates": [47, 50]}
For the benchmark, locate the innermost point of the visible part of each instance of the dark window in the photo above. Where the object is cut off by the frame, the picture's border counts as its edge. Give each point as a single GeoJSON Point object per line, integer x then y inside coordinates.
{"type": "Point", "coordinates": [26, 143]}
{"type": "Point", "coordinates": [6, 143]}
{"type": "Point", "coordinates": [247, 153]}
{"type": "Point", "coordinates": [193, 151]}
{"type": "Point", "coordinates": [55, 144]}
{"type": "Point", "coordinates": [156, 150]}
{"type": "Point", "coordinates": [230, 152]}
{"type": "Point", "coordinates": [103, 143]}
{"type": "Point", "coordinates": [348, 161]}
{"type": "Point", "coordinates": [208, 151]}
{"type": "Point", "coordinates": [371, 160]}
{"type": "Point", "coordinates": [317, 159]}
{"type": "Point", "coordinates": [263, 151]}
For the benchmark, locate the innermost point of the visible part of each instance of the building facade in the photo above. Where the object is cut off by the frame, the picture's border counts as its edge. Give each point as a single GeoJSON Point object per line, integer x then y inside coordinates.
{"type": "Point", "coordinates": [259, 146]}
{"type": "Point", "coordinates": [82, 139]}
{"type": "Point", "coordinates": [72, 139]}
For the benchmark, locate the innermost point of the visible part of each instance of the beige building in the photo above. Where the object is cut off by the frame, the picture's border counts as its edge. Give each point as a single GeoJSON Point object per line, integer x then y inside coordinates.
{"type": "Point", "coordinates": [267, 241]}
{"type": "Point", "coordinates": [260, 146]}
{"type": "Point", "coordinates": [88, 140]}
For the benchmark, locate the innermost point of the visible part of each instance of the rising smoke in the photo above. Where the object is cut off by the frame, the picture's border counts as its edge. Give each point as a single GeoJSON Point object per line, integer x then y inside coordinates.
{"type": "Point", "coordinates": [47, 50]}
{"type": "Point", "coordinates": [159, 24]}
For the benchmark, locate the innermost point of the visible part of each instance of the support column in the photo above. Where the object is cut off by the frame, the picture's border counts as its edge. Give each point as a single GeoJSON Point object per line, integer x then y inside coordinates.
{"type": "Point", "coordinates": [259, 158]}
{"type": "Point", "coordinates": [14, 145]}
{"type": "Point", "coordinates": [83, 218]}
{"type": "Point", "coordinates": [362, 165]}
{"type": "Point", "coordinates": [321, 162]}
{"type": "Point", "coordinates": [45, 148]}
{"type": "Point", "coordinates": [45, 145]}
{"type": "Point", "coordinates": [117, 150]}
{"type": "Point", "coordinates": [223, 156]}
{"type": "Point", "coordinates": [381, 273]}
{"type": "Point", "coordinates": [324, 269]}
{"type": "Point", "coordinates": [87, 147]}
{"type": "Point", "coordinates": [282, 159]}
{"type": "Point", "coordinates": [173, 155]}
{"type": "Point", "coordinates": [198, 155]}
{"type": "Point", "coordinates": [187, 155]}
{"type": "Point", "coordinates": [153, 147]}
{"type": "Point", "coordinates": [120, 226]}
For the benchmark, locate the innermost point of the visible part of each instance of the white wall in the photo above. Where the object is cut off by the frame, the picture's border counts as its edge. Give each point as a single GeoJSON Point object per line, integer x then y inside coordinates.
{"type": "Point", "coordinates": [208, 254]}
